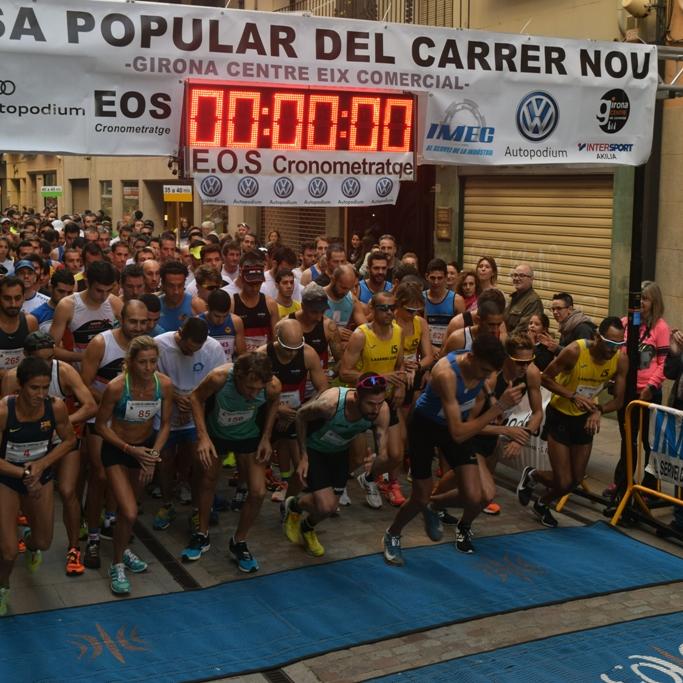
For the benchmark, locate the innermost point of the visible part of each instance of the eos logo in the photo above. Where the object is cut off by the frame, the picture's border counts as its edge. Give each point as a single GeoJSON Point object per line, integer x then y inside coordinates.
{"type": "Point", "coordinates": [211, 186]}
{"type": "Point", "coordinates": [537, 116]}
{"type": "Point", "coordinates": [384, 187]}
{"type": "Point", "coordinates": [248, 187]}
{"type": "Point", "coordinates": [317, 187]}
{"type": "Point", "coordinates": [350, 187]}
{"type": "Point", "coordinates": [283, 187]}
{"type": "Point", "coordinates": [7, 88]}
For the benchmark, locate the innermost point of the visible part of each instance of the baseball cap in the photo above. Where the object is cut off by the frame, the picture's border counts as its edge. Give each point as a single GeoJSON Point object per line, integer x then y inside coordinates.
{"type": "Point", "coordinates": [25, 263]}
{"type": "Point", "coordinates": [38, 340]}
{"type": "Point", "coordinates": [58, 225]}
{"type": "Point", "coordinates": [253, 274]}
{"type": "Point", "coordinates": [314, 297]}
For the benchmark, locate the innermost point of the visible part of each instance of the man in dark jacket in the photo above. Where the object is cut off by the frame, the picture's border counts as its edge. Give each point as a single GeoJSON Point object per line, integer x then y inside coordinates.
{"type": "Point", "coordinates": [573, 324]}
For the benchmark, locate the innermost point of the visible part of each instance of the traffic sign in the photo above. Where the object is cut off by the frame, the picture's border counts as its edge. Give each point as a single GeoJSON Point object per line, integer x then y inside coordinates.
{"type": "Point", "coordinates": [177, 193]}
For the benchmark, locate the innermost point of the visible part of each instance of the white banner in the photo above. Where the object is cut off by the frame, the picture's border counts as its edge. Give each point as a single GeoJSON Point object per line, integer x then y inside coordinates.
{"type": "Point", "coordinates": [108, 78]}
{"type": "Point", "coordinates": [666, 442]}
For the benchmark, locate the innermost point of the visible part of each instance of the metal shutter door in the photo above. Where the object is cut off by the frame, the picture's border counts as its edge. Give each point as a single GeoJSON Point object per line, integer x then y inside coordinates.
{"type": "Point", "coordinates": [561, 225]}
{"type": "Point", "coordinates": [295, 224]}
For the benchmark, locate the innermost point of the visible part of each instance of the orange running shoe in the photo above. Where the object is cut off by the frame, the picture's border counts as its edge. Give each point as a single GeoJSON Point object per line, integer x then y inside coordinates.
{"type": "Point", "coordinates": [22, 545]}
{"type": "Point", "coordinates": [74, 566]}
{"type": "Point", "coordinates": [394, 495]}
{"type": "Point", "coordinates": [492, 509]}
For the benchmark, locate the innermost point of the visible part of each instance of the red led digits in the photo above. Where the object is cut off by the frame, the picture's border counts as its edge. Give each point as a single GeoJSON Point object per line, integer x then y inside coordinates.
{"type": "Point", "coordinates": [398, 125]}
{"type": "Point", "coordinates": [364, 128]}
{"type": "Point", "coordinates": [323, 115]}
{"type": "Point", "coordinates": [288, 121]}
{"type": "Point", "coordinates": [244, 114]}
{"type": "Point", "coordinates": [206, 117]}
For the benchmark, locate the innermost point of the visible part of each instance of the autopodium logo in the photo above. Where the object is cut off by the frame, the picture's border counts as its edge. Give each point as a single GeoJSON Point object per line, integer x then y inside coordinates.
{"type": "Point", "coordinates": [350, 187]}
{"type": "Point", "coordinates": [211, 186]}
{"type": "Point", "coordinates": [7, 87]}
{"type": "Point", "coordinates": [248, 187]}
{"type": "Point", "coordinates": [384, 186]}
{"type": "Point", "coordinates": [537, 116]}
{"type": "Point", "coordinates": [283, 187]}
{"type": "Point", "coordinates": [317, 187]}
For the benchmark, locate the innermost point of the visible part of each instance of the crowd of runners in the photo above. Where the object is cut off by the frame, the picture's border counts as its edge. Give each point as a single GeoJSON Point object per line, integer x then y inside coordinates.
{"type": "Point", "coordinates": [133, 360]}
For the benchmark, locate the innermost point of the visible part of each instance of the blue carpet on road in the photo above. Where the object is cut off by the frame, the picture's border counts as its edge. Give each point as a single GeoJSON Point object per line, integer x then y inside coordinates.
{"type": "Point", "coordinates": [648, 649]}
{"type": "Point", "coordinates": [268, 621]}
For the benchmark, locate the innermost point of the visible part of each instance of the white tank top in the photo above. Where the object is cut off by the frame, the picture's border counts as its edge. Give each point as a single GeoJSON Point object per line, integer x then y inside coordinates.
{"type": "Point", "coordinates": [111, 364]}
{"type": "Point", "coordinates": [55, 385]}
{"type": "Point", "coordinates": [87, 323]}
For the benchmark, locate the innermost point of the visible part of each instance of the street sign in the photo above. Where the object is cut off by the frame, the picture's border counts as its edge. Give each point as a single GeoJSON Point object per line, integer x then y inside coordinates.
{"type": "Point", "coordinates": [177, 193]}
{"type": "Point", "coordinates": [51, 191]}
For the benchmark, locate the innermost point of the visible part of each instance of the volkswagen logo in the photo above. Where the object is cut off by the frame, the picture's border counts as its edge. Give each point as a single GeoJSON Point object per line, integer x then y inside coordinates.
{"type": "Point", "coordinates": [317, 187]}
{"type": "Point", "coordinates": [283, 187]}
{"type": "Point", "coordinates": [211, 186]}
{"type": "Point", "coordinates": [7, 88]}
{"type": "Point", "coordinates": [537, 116]}
{"type": "Point", "coordinates": [384, 187]}
{"type": "Point", "coordinates": [248, 187]}
{"type": "Point", "coordinates": [350, 187]}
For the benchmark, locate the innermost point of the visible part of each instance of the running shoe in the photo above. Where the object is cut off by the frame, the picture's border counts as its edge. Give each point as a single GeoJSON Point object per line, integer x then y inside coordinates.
{"type": "Point", "coordinates": [463, 539]}
{"type": "Point", "coordinates": [312, 544]}
{"type": "Point", "coordinates": [392, 550]}
{"type": "Point", "coordinates": [164, 517]}
{"type": "Point", "coordinates": [133, 562]}
{"type": "Point", "coordinates": [610, 491]}
{"type": "Point", "coordinates": [544, 515]}
{"type": "Point", "coordinates": [344, 499]}
{"type": "Point", "coordinates": [280, 493]}
{"type": "Point", "coordinates": [230, 460]}
{"type": "Point", "coordinates": [525, 488]}
{"type": "Point", "coordinates": [119, 585]}
{"type": "Point", "coordinates": [199, 544]}
{"type": "Point", "coordinates": [184, 494]}
{"type": "Point", "coordinates": [193, 521]}
{"type": "Point", "coordinates": [291, 523]}
{"type": "Point", "coordinates": [92, 555]}
{"type": "Point", "coordinates": [273, 483]}
{"type": "Point", "coordinates": [433, 524]}
{"type": "Point", "coordinates": [372, 494]}
{"type": "Point", "coordinates": [21, 545]}
{"type": "Point", "coordinates": [4, 600]}
{"type": "Point", "coordinates": [155, 491]}
{"type": "Point", "coordinates": [393, 494]}
{"type": "Point", "coordinates": [74, 566]}
{"type": "Point", "coordinates": [238, 499]}
{"type": "Point", "coordinates": [492, 509]}
{"type": "Point", "coordinates": [34, 558]}
{"type": "Point", "coordinates": [447, 519]}
{"type": "Point", "coordinates": [107, 530]}
{"type": "Point", "coordinates": [245, 560]}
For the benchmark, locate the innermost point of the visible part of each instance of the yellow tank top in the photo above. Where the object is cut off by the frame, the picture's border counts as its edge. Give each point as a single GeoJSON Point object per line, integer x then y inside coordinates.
{"type": "Point", "coordinates": [378, 355]}
{"type": "Point", "coordinates": [586, 378]}
{"type": "Point", "coordinates": [284, 311]}
{"type": "Point", "coordinates": [411, 342]}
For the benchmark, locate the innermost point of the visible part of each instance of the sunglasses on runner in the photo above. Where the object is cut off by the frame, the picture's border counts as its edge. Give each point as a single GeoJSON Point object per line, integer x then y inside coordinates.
{"type": "Point", "coordinates": [372, 382]}
{"type": "Point", "coordinates": [613, 344]}
{"type": "Point", "coordinates": [385, 308]}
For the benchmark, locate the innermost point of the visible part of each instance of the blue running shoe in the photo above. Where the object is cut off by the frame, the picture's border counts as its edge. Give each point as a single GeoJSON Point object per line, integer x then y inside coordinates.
{"type": "Point", "coordinates": [245, 560]}
{"type": "Point", "coordinates": [199, 544]}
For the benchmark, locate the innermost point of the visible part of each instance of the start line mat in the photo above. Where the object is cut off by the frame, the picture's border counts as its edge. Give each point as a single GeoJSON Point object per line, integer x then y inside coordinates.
{"type": "Point", "coordinates": [645, 650]}
{"type": "Point", "coordinates": [271, 620]}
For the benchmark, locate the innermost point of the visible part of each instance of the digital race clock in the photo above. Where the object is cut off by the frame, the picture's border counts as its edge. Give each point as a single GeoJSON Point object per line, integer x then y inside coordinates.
{"type": "Point", "coordinates": [263, 117]}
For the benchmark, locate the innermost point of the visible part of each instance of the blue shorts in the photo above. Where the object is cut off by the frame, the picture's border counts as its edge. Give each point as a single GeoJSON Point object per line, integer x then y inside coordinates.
{"type": "Point", "coordinates": [180, 437]}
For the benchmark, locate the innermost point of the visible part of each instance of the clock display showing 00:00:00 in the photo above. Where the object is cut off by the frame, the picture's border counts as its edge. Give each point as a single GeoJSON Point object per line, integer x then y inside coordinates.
{"type": "Point", "coordinates": [285, 119]}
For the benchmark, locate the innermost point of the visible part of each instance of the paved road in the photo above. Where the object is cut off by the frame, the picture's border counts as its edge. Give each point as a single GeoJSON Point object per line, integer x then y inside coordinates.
{"type": "Point", "coordinates": [357, 531]}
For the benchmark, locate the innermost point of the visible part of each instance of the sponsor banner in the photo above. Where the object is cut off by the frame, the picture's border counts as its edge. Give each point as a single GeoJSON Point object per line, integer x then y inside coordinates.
{"type": "Point", "coordinates": [538, 99]}
{"type": "Point", "coordinates": [296, 190]}
{"type": "Point", "coordinates": [666, 442]}
{"type": "Point", "coordinates": [177, 193]}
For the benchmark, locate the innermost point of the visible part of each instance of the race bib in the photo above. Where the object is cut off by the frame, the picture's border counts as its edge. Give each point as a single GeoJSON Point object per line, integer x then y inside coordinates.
{"type": "Point", "coordinates": [333, 439]}
{"type": "Point", "coordinates": [587, 391]}
{"type": "Point", "coordinates": [229, 418]}
{"type": "Point", "coordinates": [10, 358]}
{"type": "Point", "coordinates": [253, 343]}
{"type": "Point", "coordinates": [464, 407]}
{"type": "Point", "coordinates": [20, 453]}
{"type": "Point", "coordinates": [437, 334]}
{"type": "Point", "coordinates": [228, 344]}
{"type": "Point", "coordinates": [141, 411]}
{"type": "Point", "coordinates": [292, 399]}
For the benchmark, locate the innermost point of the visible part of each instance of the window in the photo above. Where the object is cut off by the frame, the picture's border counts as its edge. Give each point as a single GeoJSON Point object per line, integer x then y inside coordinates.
{"type": "Point", "coordinates": [131, 196]}
{"type": "Point", "coordinates": [105, 196]}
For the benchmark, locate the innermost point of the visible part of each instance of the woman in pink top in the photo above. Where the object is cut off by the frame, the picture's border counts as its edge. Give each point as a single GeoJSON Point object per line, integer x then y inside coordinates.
{"type": "Point", "coordinates": [653, 346]}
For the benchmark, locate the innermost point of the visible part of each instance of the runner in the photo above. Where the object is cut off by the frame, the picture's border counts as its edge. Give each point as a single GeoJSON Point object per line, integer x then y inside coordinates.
{"type": "Point", "coordinates": [440, 420]}
{"type": "Point", "coordinates": [295, 364]}
{"type": "Point", "coordinates": [441, 304]}
{"type": "Point", "coordinates": [131, 403]}
{"type": "Point", "coordinates": [177, 305]}
{"type": "Point", "coordinates": [378, 347]}
{"type": "Point", "coordinates": [14, 325]}
{"type": "Point", "coordinates": [576, 378]}
{"type": "Point", "coordinates": [284, 282]}
{"type": "Point", "coordinates": [225, 327]}
{"type": "Point", "coordinates": [28, 422]}
{"type": "Point", "coordinates": [63, 284]}
{"type": "Point", "coordinates": [66, 384]}
{"type": "Point", "coordinates": [343, 307]}
{"type": "Point", "coordinates": [230, 422]}
{"type": "Point", "coordinates": [102, 362]}
{"type": "Point", "coordinates": [338, 416]}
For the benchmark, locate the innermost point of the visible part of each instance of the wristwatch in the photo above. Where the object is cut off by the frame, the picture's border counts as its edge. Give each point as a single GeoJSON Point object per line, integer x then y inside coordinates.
{"type": "Point", "coordinates": [27, 472]}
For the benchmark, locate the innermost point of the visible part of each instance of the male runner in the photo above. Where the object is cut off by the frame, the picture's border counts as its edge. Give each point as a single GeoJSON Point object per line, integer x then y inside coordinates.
{"type": "Point", "coordinates": [339, 415]}
{"type": "Point", "coordinates": [63, 285]}
{"type": "Point", "coordinates": [14, 325]}
{"type": "Point", "coordinates": [230, 423]}
{"type": "Point", "coordinates": [177, 305]}
{"type": "Point", "coordinates": [441, 304]}
{"type": "Point", "coordinates": [225, 327]}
